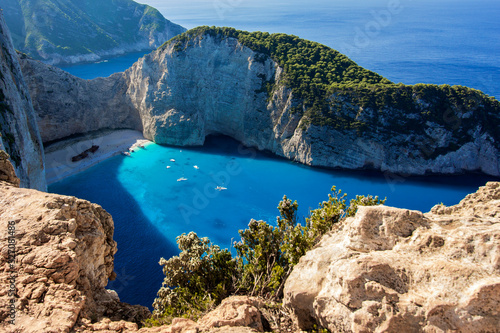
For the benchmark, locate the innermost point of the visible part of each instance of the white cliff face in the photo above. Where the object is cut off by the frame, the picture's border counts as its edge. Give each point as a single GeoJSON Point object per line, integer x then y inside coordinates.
{"type": "Point", "coordinates": [209, 88]}
{"type": "Point", "coordinates": [187, 90]}
{"type": "Point", "coordinates": [67, 105]}
{"type": "Point", "coordinates": [213, 86]}
{"type": "Point", "coordinates": [19, 134]}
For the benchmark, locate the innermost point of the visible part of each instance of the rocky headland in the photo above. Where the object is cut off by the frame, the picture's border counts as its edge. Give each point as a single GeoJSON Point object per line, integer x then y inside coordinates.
{"type": "Point", "coordinates": [209, 81]}
{"type": "Point", "coordinates": [86, 30]}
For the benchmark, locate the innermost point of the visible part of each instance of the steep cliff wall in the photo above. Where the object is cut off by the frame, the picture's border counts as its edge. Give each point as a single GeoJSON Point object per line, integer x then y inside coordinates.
{"type": "Point", "coordinates": [212, 87]}
{"type": "Point", "coordinates": [67, 105]}
{"type": "Point", "coordinates": [209, 82]}
{"type": "Point", "coordinates": [214, 84]}
{"type": "Point", "coordinates": [19, 134]}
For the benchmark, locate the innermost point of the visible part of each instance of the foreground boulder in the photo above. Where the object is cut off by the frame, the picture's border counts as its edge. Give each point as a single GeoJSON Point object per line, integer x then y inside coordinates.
{"type": "Point", "coordinates": [56, 256]}
{"type": "Point", "coordinates": [396, 270]}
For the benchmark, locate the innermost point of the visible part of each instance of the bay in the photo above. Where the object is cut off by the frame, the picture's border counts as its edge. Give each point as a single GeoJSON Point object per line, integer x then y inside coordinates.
{"type": "Point", "coordinates": [151, 207]}
{"type": "Point", "coordinates": [441, 42]}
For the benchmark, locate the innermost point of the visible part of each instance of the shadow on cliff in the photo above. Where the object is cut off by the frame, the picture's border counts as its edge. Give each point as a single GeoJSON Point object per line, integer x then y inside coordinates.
{"type": "Point", "coordinates": [140, 243]}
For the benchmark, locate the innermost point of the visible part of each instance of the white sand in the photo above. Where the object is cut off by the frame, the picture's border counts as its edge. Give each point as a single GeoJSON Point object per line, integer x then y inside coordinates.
{"type": "Point", "coordinates": [58, 164]}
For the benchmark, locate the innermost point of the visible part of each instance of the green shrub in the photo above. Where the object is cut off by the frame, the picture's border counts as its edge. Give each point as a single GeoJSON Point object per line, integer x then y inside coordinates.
{"type": "Point", "coordinates": [203, 274]}
{"type": "Point", "coordinates": [199, 277]}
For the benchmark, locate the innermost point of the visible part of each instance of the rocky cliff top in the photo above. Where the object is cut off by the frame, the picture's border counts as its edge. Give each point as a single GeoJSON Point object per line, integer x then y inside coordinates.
{"type": "Point", "coordinates": [386, 269]}
{"type": "Point", "coordinates": [396, 270]}
{"type": "Point", "coordinates": [56, 258]}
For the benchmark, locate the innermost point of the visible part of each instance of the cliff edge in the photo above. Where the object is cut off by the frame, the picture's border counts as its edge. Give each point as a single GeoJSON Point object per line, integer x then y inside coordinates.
{"type": "Point", "coordinates": [19, 134]}
{"type": "Point", "coordinates": [396, 270]}
{"type": "Point", "coordinates": [56, 258]}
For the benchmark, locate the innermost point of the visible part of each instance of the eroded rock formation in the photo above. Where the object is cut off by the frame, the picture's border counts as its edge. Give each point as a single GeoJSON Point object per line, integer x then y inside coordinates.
{"type": "Point", "coordinates": [395, 270]}
{"type": "Point", "coordinates": [67, 105]}
{"type": "Point", "coordinates": [19, 134]}
{"type": "Point", "coordinates": [56, 258]}
{"type": "Point", "coordinates": [187, 90]}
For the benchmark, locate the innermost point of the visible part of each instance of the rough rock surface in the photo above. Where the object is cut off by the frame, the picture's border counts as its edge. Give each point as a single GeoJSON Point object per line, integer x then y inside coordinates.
{"type": "Point", "coordinates": [237, 314]}
{"type": "Point", "coordinates": [396, 270]}
{"type": "Point", "coordinates": [7, 172]}
{"type": "Point", "coordinates": [215, 85]}
{"type": "Point", "coordinates": [67, 105]}
{"type": "Point", "coordinates": [56, 256]}
{"type": "Point", "coordinates": [19, 134]}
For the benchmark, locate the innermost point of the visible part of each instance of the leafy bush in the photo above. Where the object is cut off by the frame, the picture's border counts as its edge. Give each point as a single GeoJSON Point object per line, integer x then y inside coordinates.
{"type": "Point", "coordinates": [203, 274]}
{"type": "Point", "coordinates": [199, 277]}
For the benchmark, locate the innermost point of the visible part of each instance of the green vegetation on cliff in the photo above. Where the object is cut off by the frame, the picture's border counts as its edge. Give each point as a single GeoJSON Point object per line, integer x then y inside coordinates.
{"type": "Point", "coordinates": [202, 274]}
{"type": "Point", "coordinates": [331, 90]}
{"type": "Point", "coordinates": [42, 28]}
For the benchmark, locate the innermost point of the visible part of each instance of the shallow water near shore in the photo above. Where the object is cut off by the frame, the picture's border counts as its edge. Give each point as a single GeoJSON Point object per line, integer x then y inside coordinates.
{"type": "Point", "coordinates": [151, 204]}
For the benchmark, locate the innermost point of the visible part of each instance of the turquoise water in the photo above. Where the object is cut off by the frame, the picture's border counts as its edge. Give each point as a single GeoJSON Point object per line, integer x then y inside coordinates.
{"type": "Point", "coordinates": [150, 207]}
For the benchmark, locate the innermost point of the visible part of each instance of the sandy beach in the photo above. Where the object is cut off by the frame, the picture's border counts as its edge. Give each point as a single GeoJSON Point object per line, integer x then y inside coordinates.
{"type": "Point", "coordinates": [58, 164]}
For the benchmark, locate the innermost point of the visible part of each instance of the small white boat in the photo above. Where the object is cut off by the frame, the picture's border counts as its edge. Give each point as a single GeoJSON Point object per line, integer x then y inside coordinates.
{"type": "Point", "coordinates": [172, 160]}
{"type": "Point", "coordinates": [126, 153]}
{"type": "Point", "coordinates": [221, 188]}
{"type": "Point", "coordinates": [181, 179]}
{"type": "Point", "coordinates": [168, 166]}
{"type": "Point", "coordinates": [196, 167]}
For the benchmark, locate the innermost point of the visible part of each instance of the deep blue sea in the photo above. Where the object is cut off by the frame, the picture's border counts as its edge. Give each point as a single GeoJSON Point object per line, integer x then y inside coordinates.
{"type": "Point", "coordinates": [453, 42]}
{"type": "Point", "coordinates": [426, 41]}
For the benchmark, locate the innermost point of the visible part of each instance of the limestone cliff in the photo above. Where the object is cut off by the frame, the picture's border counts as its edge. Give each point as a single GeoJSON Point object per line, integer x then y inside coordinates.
{"type": "Point", "coordinates": [68, 105]}
{"type": "Point", "coordinates": [69, 31]}
{"type": "Point", "coordinates": [19, 134]}
{"type": "Point", "coordinates": [212, 83]}
{"type": "Point", "coordinates": [205, 82]}
{"type": "Point", "coordinates": [395, 270]}
{"type": "Point", "coordinates": [56, 259]}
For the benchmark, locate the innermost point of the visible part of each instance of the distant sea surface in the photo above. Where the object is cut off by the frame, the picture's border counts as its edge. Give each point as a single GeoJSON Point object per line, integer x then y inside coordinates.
{"type": "Point", "coordinates": [454, 42]}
